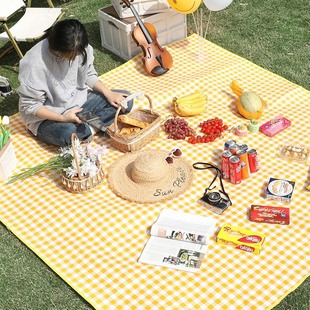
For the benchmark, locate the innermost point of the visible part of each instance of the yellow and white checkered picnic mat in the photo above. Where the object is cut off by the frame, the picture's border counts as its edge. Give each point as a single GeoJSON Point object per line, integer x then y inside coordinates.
{"type": "Point", "coordinates": [93, 240]}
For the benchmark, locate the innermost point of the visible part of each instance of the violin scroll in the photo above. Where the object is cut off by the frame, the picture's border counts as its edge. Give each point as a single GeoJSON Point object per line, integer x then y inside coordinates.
{"type": "Point", "coordinates": [126, 3]}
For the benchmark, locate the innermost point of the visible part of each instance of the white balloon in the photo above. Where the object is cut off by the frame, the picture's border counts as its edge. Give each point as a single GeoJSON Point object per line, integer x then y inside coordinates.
{"type": "Point", "coordinates": [217, 5]}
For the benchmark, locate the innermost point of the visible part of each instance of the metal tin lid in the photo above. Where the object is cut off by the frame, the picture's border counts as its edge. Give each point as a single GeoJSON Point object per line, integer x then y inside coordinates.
{"type": "Point", "coordinates": [241, 152]}
{"type": "Point", "coordinates": [243, 146]}
{"type": "Point", "coordinates": [229, 142]}
{"type": "Point", "coordinates": [227, 153]}
{"type": "Point", "coordinates": [234, 159]}
{"type": "Point", "coordinates": [252, 151]}
{"type": "Point", "coordinates": [234, 146]}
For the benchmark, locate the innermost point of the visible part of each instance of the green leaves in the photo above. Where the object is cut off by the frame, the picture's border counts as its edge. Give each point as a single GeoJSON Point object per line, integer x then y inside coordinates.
{"type": "Point", "coordinates": [59, 162]}
{"type": "Point", "coordinates": [4, 136]}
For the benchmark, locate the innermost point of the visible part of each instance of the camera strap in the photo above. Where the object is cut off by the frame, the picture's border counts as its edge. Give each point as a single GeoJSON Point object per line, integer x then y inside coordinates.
{"type": "Point", "coordinates": [207, 166]}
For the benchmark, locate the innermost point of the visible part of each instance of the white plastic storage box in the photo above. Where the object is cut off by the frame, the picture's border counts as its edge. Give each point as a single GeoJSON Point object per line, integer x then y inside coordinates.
{"type": "Point", "coordinates": [116, 32]}
{"type": "Point", "coordinates": [143, 7]}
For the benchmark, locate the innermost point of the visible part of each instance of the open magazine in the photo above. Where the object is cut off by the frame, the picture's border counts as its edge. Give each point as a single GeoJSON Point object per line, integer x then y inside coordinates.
{"type": "Point", "coordinates": [178, 240]}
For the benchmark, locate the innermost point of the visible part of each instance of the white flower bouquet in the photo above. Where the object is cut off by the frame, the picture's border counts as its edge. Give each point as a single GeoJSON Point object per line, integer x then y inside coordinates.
{"type": "Point", "coordinates": [81, 166]}
{"type": "Point", "coordinates": [88, 159]}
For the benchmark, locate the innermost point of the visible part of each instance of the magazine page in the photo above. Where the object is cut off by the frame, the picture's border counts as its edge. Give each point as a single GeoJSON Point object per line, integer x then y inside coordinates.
{"type": "Point", "coordinates": [173, 254]}
{"type": "Point", "coordinates": [166, 248]}
{"type": "Point", "coordinates": [183, 226]}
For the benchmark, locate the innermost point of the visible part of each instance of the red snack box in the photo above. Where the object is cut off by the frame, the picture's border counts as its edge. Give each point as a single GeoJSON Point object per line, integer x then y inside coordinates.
{"type": "Point", "coordinates": [269, 214]}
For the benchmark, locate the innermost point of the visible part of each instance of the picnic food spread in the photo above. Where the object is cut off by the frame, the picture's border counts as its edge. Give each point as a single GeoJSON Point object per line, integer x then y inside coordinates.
{"type": "Point", "coordinates": [93, 239]}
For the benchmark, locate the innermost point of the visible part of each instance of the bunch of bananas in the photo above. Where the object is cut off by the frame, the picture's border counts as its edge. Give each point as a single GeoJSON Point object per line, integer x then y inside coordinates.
{"type": "Point", "coordinates": [192, 104]}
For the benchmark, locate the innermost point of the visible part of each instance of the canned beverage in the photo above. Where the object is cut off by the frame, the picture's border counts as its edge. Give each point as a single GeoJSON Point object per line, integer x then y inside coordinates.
{"type": "Point", "coordinates": [253, 160]}
{"type": "Point", "coordinates": [225, 164]}
{"type": "Point", "coordinates": [228, 143]}
{"type": "Point", "coordinates": [235, 169]}
{"type": "Point", "coordinates": [243, 147]}
{"type": "Point", "coordinates": [245, 171]}
{"type": "Point", "coordinates": [234, 148]}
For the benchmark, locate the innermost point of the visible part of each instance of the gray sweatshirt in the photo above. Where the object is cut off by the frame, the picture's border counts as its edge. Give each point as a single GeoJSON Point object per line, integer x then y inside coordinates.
{"type": "Point", "coordinates": [58, 85]}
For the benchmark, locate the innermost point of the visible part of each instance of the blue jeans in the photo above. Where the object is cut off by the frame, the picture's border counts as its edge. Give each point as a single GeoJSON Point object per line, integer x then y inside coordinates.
{"type": "Point", "coordinates": [59, 134]}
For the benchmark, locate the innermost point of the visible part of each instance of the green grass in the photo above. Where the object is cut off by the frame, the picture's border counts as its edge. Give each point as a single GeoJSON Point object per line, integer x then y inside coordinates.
{"type": "Point", "coordinates": [273, 34]}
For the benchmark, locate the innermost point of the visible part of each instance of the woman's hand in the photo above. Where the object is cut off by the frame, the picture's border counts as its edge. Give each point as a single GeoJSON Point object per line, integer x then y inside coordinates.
{"type": "Point", "coordinates": [115, 98]}
{"type": "Point", "coordinates": [71, 117]}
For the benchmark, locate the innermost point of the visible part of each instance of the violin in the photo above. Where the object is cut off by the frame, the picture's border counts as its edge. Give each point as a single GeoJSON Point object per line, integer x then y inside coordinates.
{"type": "Point", "coordinates": [156, 60]}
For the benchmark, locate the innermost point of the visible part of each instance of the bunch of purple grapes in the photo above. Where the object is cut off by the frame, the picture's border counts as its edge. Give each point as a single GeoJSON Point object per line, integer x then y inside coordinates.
{"type": "Point", "coordinates": [178, 128]}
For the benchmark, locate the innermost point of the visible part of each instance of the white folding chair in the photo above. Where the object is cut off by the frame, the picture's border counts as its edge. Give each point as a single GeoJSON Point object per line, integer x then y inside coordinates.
{"type": "Point", "coordinates": [30, 27]}
{"type": "Point", "coordinates": [50, 3]}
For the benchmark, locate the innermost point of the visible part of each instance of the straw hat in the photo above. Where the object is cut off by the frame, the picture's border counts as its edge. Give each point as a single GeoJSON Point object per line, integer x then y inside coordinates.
{"type": "Point", "coordinates": [147, 177]}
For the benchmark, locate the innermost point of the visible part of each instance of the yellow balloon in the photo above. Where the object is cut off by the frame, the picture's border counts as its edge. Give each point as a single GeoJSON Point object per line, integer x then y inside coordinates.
{"type": "Point", "coordinates": [184, 6]}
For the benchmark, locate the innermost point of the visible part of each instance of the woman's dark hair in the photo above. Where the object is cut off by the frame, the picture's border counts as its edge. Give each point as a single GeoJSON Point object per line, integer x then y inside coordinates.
{"type": "Point", "coordinates": [68, 37]}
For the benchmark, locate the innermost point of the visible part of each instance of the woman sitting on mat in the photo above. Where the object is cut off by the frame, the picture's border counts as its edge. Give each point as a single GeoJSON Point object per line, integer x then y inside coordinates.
{"type": "Point", "coordinates": [58, 80]}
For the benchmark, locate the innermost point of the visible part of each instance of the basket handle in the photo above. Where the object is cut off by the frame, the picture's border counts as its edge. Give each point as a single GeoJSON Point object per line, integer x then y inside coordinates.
{"type": "Point", "coordinates": [74, 137]}
{"type": "Point", "coordinates": [116, 128]}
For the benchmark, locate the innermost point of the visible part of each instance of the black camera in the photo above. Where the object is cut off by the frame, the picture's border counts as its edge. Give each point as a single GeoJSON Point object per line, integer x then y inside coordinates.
{"type": "Point", "coordinates": [214, 202]}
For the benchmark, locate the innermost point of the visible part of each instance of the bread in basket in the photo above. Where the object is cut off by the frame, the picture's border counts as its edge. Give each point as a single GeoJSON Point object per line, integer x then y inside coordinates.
{"type": "Point", "coordinates": [137, 129]}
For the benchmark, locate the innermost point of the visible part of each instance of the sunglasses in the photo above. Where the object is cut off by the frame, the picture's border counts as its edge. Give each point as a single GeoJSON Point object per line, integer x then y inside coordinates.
{"type": "Point", "coordinates": [174, 153]}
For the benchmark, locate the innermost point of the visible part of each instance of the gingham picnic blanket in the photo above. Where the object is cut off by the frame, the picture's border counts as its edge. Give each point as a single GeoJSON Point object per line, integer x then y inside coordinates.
{"type": "Point", "coordinates": [93, 240]}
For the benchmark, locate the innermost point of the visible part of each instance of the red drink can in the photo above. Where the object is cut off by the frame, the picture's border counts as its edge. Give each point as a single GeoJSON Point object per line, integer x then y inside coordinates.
{"type": "Point", "coordinates": [245, 171]}
{"type": "Point", "coordinates": [225, 164]}
{"type": "Point", "coordinates": [235, 169]}
{"type": "Point", "coordinates": [253, 160]}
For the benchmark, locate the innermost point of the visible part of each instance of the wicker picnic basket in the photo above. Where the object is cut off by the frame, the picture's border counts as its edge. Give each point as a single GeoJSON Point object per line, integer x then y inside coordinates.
{"type": "Point", "coordinates": [135, 141]}
{"type": "Point", "coordinates": [81, 184]}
